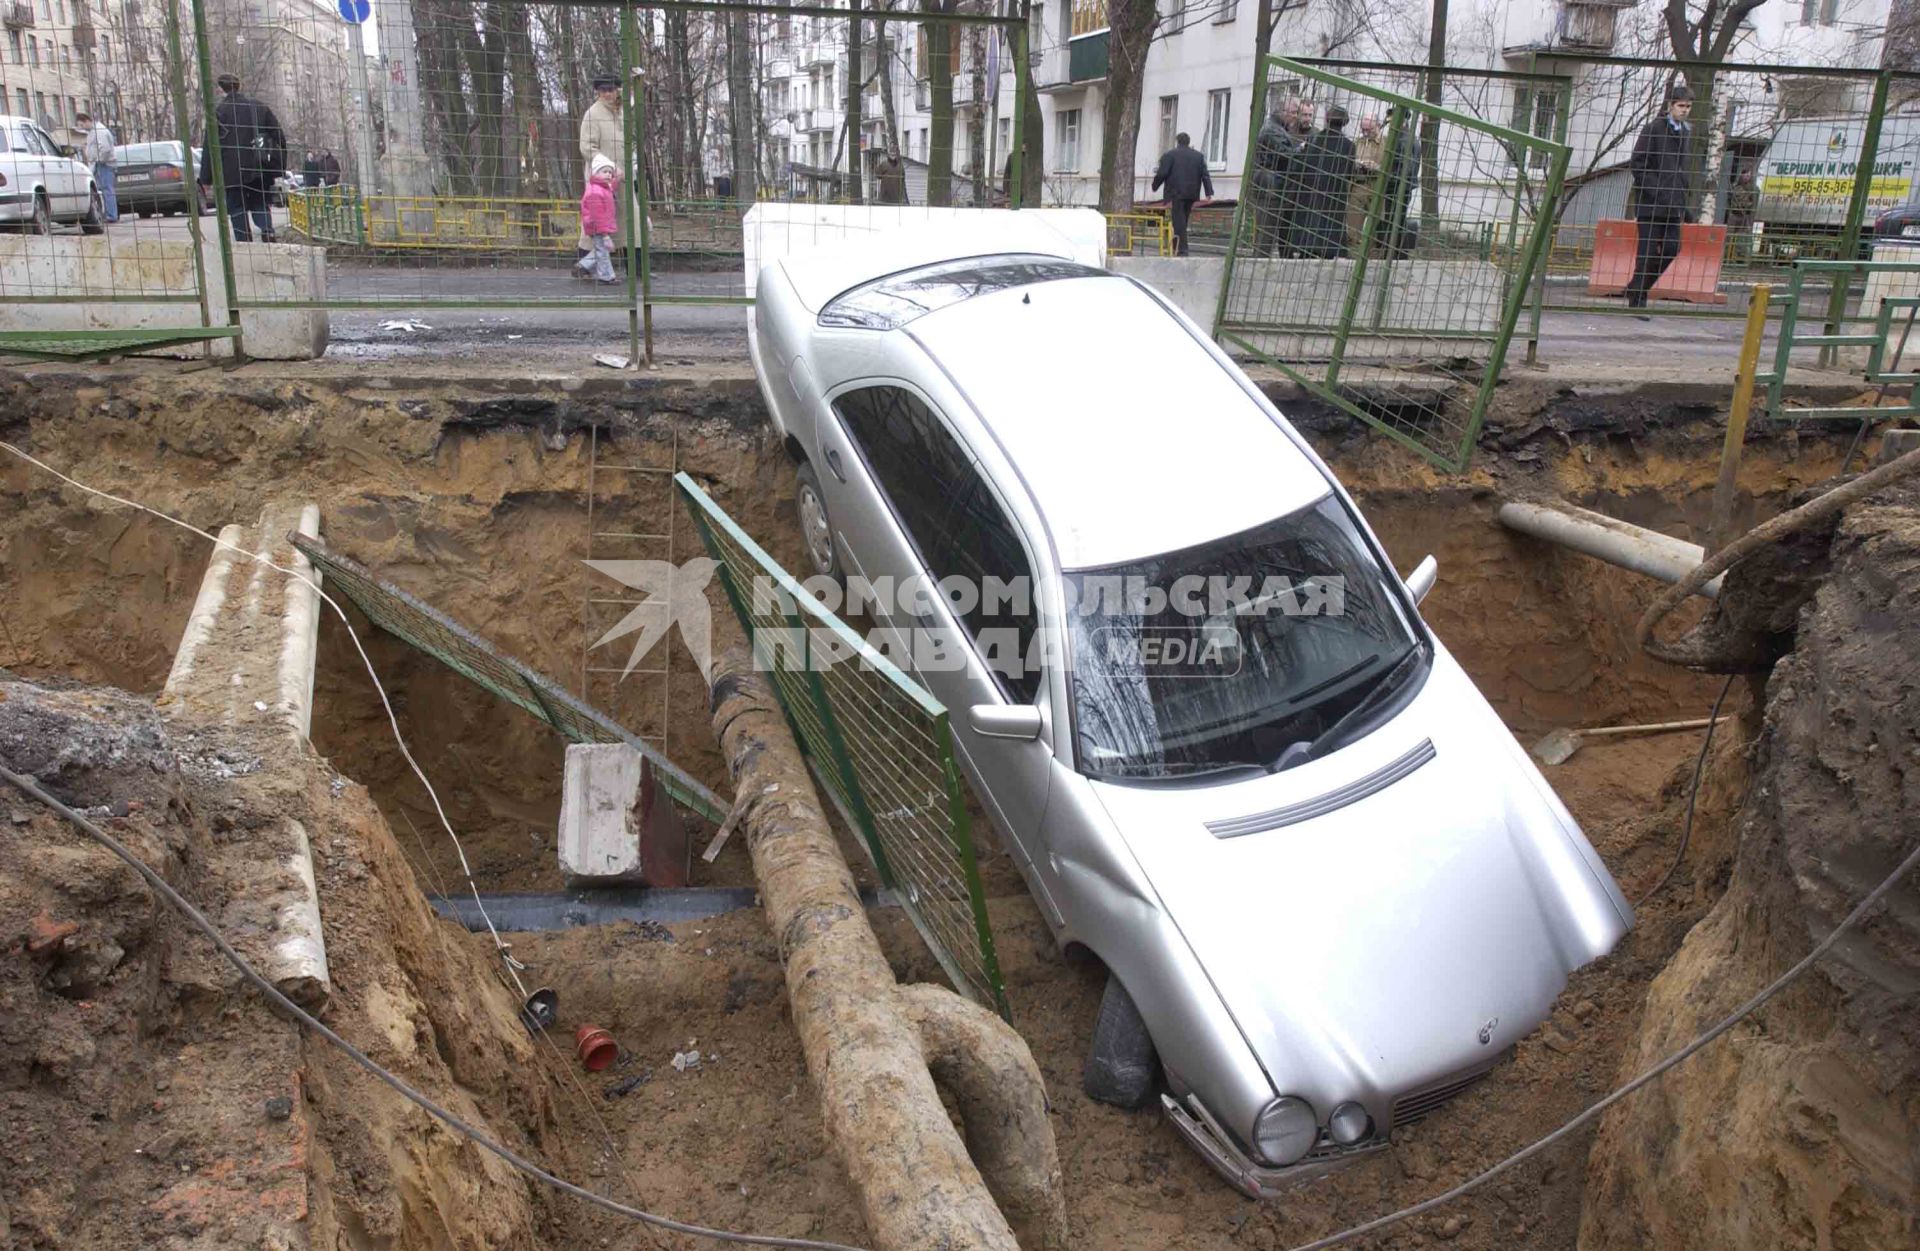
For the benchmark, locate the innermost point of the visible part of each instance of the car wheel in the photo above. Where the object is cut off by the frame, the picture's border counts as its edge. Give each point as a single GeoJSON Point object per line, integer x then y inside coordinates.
{"type": "Point", "coordinates": [42, 221]}
{"type": "Point", "coordinates": [816, 528]}
{"type": "Point", "coordinates": [95, 222]}
{"type": "Point", "coordinates": [1120, 1065]}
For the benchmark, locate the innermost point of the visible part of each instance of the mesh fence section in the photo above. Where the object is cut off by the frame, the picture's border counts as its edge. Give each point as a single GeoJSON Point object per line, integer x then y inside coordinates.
{"type": "Point", "coordinates": [431, 631]}
{"type": "Point", "coordinates": [1384, 245]}
{"type": "Point", "coordinates": [881, 746]}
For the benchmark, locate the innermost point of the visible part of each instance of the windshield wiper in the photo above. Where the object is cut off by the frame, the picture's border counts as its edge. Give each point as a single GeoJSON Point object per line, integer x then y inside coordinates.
{"type": "Point", "coordinates": [1379, 691]}
{"type": "Point", "coordinates": [1191, 770]}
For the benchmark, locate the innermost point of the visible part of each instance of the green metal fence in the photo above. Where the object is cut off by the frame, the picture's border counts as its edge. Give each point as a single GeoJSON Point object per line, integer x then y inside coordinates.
{"type": "Point", "coordinates": [431, 631]}
{"type": "Point", "coordinates": [1890, 297]}
{"type": "Point", "coordinates": [880, 745]}
{"type": "Point", "coordinates": [1386, 273]}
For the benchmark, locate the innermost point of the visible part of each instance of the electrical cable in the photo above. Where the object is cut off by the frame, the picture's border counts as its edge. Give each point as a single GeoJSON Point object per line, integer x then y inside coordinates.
{"type": "Point", "coordinates": [1693, 794]}
{"type": "Point", "coordinates": [1745, 1010]}
{"type": "Point", "coordinates": [180, 904]}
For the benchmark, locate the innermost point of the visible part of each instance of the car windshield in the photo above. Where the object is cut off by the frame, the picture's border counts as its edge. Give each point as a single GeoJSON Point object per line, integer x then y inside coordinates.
{"type": "Point", "coordinates": [1251, 652]}
{"type": "Point", "coordinates": [898, 299]}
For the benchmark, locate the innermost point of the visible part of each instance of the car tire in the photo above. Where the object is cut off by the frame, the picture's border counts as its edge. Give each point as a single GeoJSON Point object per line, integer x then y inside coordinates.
{"type": "Point", "coordinates": [816, 527]}
{"type": "Point", "coordinates": [1121, 1067]}
{"type": "Point", "coordinates": [95, 222]}
{"type": "Point", "coordinates": [41, 223]}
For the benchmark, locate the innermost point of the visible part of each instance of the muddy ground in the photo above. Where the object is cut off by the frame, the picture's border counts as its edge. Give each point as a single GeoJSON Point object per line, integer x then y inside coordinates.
{"type": "Point", "coordinates": [476, 499]}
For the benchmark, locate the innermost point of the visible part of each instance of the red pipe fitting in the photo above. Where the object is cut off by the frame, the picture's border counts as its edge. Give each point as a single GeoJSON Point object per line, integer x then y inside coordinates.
{"type": "Point", "coordinates": [595, 1047]}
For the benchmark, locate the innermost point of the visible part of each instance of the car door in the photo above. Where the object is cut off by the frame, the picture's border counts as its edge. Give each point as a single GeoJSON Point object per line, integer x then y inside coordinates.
{"type": "Point", "coordinates": [922, 510]}
{"type": "Point", "coordinates": [27, 164]}
{"type": "Point", "coordinates": [66, 178]}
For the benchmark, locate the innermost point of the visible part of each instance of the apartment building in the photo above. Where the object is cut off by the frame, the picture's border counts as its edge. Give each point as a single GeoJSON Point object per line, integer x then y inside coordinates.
{"type": "Point", "coordinates": [56, 63]}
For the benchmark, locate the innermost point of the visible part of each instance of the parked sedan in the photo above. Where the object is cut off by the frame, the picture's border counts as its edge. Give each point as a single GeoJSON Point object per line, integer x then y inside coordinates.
{"type": "Point", "coordinates": [1229, 758]}
{"type": "Point", "coordinates": [41, 183]}
{"type": "Point", "coordinates": [159, 178]}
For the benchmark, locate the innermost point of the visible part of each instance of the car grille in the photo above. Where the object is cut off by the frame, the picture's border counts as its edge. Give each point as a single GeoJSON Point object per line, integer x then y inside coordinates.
{"type": "Point", "coordinates": [1413, 1107]}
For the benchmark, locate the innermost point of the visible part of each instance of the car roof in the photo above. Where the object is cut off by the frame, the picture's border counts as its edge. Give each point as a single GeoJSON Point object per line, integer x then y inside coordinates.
{"type": "Point", "coordinates": [1130, 435]}
{"type": "Point", "coordinates": [822, 259]}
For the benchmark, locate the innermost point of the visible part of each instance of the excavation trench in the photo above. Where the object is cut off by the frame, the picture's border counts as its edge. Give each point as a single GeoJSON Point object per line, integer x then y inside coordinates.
{"type": "Point", "coordinates": [485, 502]}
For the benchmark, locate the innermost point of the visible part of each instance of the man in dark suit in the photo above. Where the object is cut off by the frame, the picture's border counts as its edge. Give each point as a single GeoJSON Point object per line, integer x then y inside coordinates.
{"type": "Point", "coordinates": [252, 151]}
{"type": "Point", "coordinates": [1184, 171]}
{"type": "Point", "coordinates": [1660, 190]}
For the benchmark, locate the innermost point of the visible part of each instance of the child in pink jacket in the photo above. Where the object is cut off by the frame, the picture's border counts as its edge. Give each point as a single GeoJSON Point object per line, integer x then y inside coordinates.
{"type": "Point", "coordinates": [598, 220]}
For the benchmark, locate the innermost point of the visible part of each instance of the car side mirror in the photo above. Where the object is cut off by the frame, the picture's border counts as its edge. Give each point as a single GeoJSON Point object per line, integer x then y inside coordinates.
{"type": "Point", "coordinates": [1015, 721]}
{"type": "Point", "coordinates": [1421, 580]}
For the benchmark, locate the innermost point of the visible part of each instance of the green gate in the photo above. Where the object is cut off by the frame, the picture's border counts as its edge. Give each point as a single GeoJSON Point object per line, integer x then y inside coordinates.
{"type": "Point", "coordinates": [1385, 273]}
{"type": "Point", "coordinates": [880, 745]}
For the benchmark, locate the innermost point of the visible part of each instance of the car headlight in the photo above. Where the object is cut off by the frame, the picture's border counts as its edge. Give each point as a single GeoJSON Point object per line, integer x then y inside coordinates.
{"type": "Point", "coordinates": [1349, 1124]}
{"type": "Point", "coordinates": [1285, 1130]}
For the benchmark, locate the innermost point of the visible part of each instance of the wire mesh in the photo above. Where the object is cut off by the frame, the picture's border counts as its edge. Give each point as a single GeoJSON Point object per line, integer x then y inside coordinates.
{"type": "Point", "coordinates": [431, 631]}
{"type": "Point", "coordinates": [880, 744]}
{"type": "Point", "coordinates": [1385, 270]}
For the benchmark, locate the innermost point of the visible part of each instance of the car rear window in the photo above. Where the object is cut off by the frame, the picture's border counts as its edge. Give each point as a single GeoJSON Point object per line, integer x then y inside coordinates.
{"type": "Point", "coordinates": [147, 153]}
{"type": "Point", "coordinates": [897, 299]}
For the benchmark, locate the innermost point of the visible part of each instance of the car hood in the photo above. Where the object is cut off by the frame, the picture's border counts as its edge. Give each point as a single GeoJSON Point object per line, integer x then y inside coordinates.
{"type": "Point", "coordinates": [1395, 939]}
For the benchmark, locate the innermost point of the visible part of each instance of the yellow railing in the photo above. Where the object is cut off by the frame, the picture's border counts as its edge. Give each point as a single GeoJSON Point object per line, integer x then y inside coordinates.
{"type": "Point", "coordinates": [1139, 234]}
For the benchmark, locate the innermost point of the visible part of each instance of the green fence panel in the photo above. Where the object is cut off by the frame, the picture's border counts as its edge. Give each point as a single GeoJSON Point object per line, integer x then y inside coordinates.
{"type": "Point", "coordinates": [1385, 269]}
{"type": "Point", "coordinates": [879, 743]}
{"type": "Point", "coordinates": [466, 653]}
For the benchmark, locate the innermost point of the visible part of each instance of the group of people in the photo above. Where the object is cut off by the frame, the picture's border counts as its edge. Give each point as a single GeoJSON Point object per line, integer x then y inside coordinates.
{"type": "Point", "coordinates": [1312, 190]}
{"type": "Point", "coordinates": [320, 169]}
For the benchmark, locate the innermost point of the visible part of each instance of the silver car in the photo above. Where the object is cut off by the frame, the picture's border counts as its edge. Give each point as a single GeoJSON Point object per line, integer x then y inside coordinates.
{"type": "Point", "coordinates": [1330, 889]}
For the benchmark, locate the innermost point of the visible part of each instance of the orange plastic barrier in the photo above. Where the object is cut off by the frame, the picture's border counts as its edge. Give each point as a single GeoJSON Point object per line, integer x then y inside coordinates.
{"type": "Point", "coordinates": [1694, 275]}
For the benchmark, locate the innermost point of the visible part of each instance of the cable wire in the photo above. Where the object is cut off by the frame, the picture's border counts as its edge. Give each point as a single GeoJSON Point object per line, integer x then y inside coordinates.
{"type": "Point", "coordinates": [180, 904]}
{"type": "Point", "coordinates": [1693, 795]}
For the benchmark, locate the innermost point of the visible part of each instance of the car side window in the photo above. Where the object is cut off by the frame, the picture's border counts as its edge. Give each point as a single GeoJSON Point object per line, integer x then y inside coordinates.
{"type": "Point", "coordinates": [954, 522]}
{"type": "Point", "coordinates": [41, 144]}
{"type": "Point", "coordinates": [17, 139]}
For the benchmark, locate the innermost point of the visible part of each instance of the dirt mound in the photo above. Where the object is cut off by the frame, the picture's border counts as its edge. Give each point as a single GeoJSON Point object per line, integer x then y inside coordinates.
{"type": "Point", "coordinates": [148, 1097]}
{"type": "Point", "coordinates": [1799, 1128]}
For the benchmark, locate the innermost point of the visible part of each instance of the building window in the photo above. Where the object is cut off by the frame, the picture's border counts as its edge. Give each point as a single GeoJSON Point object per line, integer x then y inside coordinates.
{"type": "Point", "coordinates": [39, 106]}
{"type": "Point", "coordinates": [1036, 30]}
{"type": "Point", "coordinates": [33, 51]}
{"type": "Point", "coordinates": [13, 39]}
{"type": "Point", "coordinates": [106, 50]}
{"type": "Point", "coordinates": [1532, 115]}
{"type": "Point", "coordinates": [1173, 17]}
{"type": "Point", "coordinates": [1219, 123]}
{"type": "Point", "coordinates": [20, 104]}
{"type": "Point", "coordinates": [1169, 121]}
{"type": "Point", "coordinates": [924, 143]}
{"type": "Point", "coordinates": [46, 10]}
{"type": "Point", "coordinates": [1089, 17]}
{"type": "Point", "coordinates": [1003, 144]}
{"type": "Point", "coordinates": [1228, 10]}
{"type": "Point", "coordinates": [1819, 12]}
{"type": "Point", "coordinates": [1066, 141]}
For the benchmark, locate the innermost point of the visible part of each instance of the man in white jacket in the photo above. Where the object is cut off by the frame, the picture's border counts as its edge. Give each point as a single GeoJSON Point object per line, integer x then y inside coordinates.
{"type": "Point", "coordinates": [97, 152]}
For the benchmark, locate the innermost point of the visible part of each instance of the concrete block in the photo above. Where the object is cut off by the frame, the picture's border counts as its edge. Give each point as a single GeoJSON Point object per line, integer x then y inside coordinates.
{"type": "Point", "coordinates": [600, 813]}
{"type": "Point", "coordinates": [1897, 443]}
{"type": "Point", "coordinates": [87, 269]}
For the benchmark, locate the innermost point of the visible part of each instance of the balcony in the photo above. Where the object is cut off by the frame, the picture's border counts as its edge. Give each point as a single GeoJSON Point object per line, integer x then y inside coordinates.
{"type": "Point", "coordinates": [1087, 58]}
{"type": "Point", "coordinates": [1587, 26]}
{"type": "Point", "coordinates": [18, 16]}
{"type": "Point", "coordinates": [817, 119]}
{"type": "Point", "coordinates": [83, 32]}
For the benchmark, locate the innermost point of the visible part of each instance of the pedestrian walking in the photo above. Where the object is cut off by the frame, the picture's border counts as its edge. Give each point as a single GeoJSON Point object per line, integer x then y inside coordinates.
{"type": "Point", "coordinates": [1326, 183]}
{"type": "Point", "coordinates": [329, 168]}
{"type": "Point", "coordinates": [252, 151]}
{"type": "Point", "coordinates": [890, 176]}
{"type": "Point", "coordinates": [1660, 192]}
{"type": "Point", "coordinates": [1184, 172]}
{"type": "Point", "coordinates": [599, 220]}
{"type": "Point", "coordinates": [602, 133]}
{"type": "Point", "coordinates": [96, 150]}
{"type": "Point", "coordinates": [1275, 156]}
{"type": "Point", "coordinates": [310, 170]}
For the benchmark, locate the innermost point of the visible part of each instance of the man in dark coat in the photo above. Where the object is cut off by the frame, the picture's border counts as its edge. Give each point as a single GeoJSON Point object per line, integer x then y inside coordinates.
{"type": "Point", "coordinates": [1184, 172]}
{"type": "Point", "coordinates": [1660, 191]}
{"type": "Point", "coordinates": [252, 153]}
{"type": "Point", "coordinates": [310, 170]}
{"type": "Point", "coordinates": [890, 176]}
{"type": "Point", "coordinates": [329, 168]}
{"type": "Point", "coordinates": [1276, 151]}
{"type": "Point", "coordinates": [1326, 183]}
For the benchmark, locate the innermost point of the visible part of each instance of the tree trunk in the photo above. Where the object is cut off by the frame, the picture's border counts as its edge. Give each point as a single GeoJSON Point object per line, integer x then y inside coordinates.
{"type": "Point", "coordinates": [940, 129]}
{"type": "Point", "coordinates": [1430, 125]}
{"type": "Point", "coordinates": [1032, 140]}
{"type": "Point", "coordinates": [1129, 36]}
{"type": "Point", "coordinates": [977, 131]}
{"type": "Point", "coordinates": [889, 112]}
{"type": "Point", "coordinates": [742, 115]}
{"type": "Point", "coordinates": [856, 87]}
{"type": "Point", "coordinates": [862, 1035]}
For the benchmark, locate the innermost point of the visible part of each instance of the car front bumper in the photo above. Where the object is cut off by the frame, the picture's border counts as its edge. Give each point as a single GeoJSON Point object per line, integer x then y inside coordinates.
{"type": "Point", "coordinates": [1256, 1181]}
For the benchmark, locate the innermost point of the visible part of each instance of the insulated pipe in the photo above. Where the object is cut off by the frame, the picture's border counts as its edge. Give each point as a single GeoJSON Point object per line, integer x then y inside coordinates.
{"type": "Point", "coordinates": [1593, 534]}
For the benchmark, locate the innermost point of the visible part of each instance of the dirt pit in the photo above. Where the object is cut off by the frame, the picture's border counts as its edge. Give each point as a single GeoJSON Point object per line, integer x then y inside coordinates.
{"type": "Point", "coordinates": [486, 501]}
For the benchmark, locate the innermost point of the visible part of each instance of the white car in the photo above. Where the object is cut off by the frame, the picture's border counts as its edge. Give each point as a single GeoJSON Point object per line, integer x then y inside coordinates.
{"type": "Point", "coordinates": [1230, 760]}
{"type": "Point", "coordinates": [41, 183]}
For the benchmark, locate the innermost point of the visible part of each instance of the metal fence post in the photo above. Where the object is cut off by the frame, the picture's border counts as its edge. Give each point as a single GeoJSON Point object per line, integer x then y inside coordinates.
{"type": "Point", "coordinates": [638, 243]}
{"type": "Point", "coordinates": [211, 146]}
{"type": "Point", "coordinates": [1857, 209]}
{"type": "Point", "coordinates": [1022, 72]}
{"type": "Point", "coordinates": [182, 118]}
{"type": "Point", "coordinates": [1563, 110]}
{"type": "Point", "coordinates": [1243, 216]}
{"type": "Point", "coordinates": [1357, 276]}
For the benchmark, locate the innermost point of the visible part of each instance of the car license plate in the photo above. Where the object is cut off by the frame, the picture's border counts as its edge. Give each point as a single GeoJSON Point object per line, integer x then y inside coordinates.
{"type": "Point", "coordinates": [1910, 232]}
{"type": "Point", "coordinates": [134, 178]}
